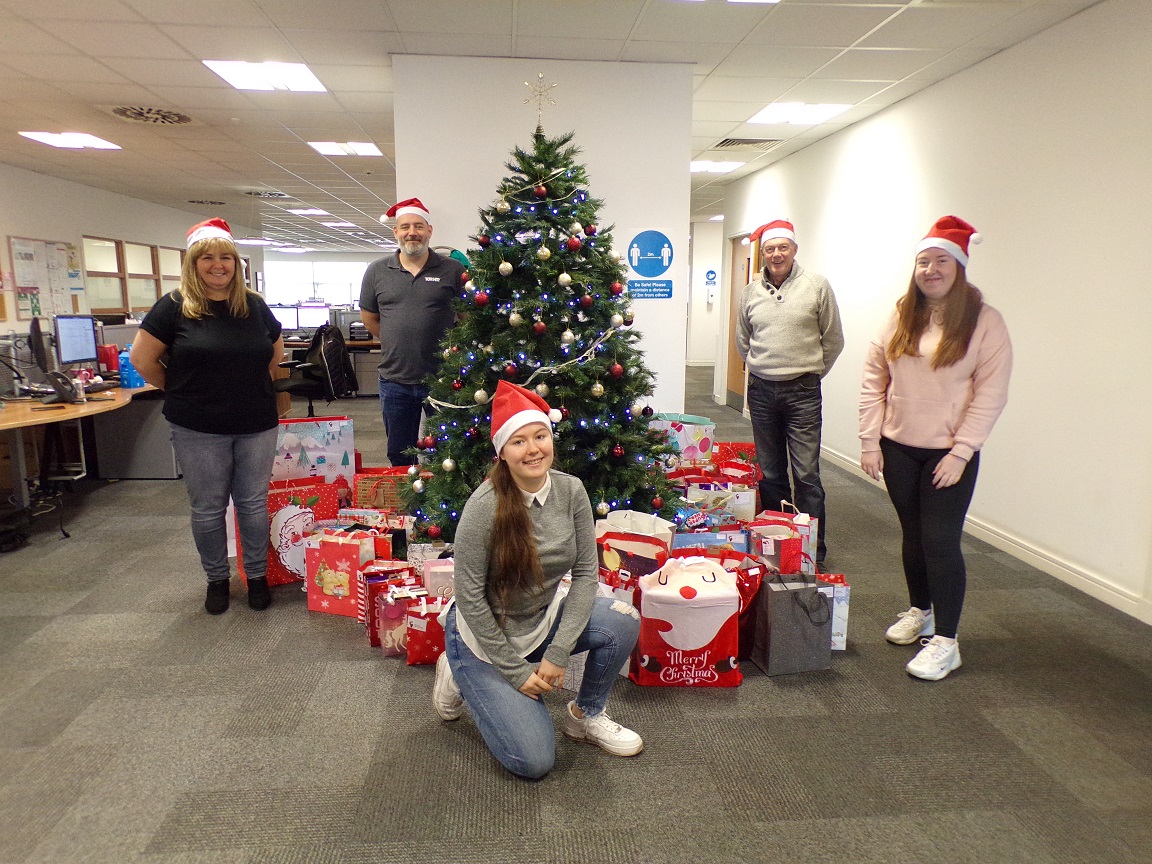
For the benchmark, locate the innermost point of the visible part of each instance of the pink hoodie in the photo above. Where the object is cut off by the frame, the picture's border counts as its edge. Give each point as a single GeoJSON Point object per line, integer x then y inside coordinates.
{"type": "Point", "coordinates": [954, 407]}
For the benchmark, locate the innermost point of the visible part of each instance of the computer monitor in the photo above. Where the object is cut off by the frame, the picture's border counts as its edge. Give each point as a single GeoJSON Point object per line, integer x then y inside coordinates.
{"type": "Point", "coordinates": [75, 339]}
{"type": "Point", "coordinates": [312, 316]}
{"type": "Point", "coordinates": [288, 317]}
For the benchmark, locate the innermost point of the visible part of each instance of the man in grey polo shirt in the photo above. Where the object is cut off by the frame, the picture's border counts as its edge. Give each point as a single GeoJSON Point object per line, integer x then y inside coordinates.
{"type": "Point", "coordinates": [788, 332]}
{"type": "Point", "coordinates": [406, 303]}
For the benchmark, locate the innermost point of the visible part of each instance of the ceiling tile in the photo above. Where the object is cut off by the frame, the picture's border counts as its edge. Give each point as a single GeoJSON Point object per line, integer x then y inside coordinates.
{"type": "Point", "coordinates": [254, 44]}
{"type": "Point", "coordinates": [560, 48]}
{"type": "Point", "coordinates": [479, 17]}
{"type": "Point", "coordinates": [62, 67]}
{"type": "Point", "coordinates": [330, 15]}
{"type": "Point", "coordinates": [818, 26]}
{"type": "Point", "coordinates": [723, 22]}
{"type": "Point", "coordinates": [354, 79]}
{"type": "Point", "coordinates": [751, 61]}
{"type": "Point", "coordinates": [729, 89]}
{"type": "Point", "coordinates": [457, 44]}
{"type": "Point", "coordinates": [705, 55]}
{"type": "Point", "coordinates": [345, 47]}
{"type": "Point", "coordinates": [238, 13]}
{"type": "Point", "coordinates": [878, 64]}
{"type": "Point", "coordinates": [23, 36]}
{"type": "Point", "coordinates": [117, 39]}
{"type": "Point", "coordinates": [939, 26]}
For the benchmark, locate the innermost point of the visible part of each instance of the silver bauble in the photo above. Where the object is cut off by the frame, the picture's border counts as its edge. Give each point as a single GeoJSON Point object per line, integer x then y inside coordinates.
{"type": "Point", "coordinates": [567, 337]}
{"type": "Point", "coordinates": [617, 320]}
{"type": "Point", "coordinates": [505, 268]}
{"type": "Point", "coordinates": [418, 486]}
{"type": "Point", "coordinates": [480, 396]}
{"type": "Point", "coordinates": [543, 253]}
{"type": "Point", "coordinates": [515, 319]}
{"type": "Point", "coordinates": [503, 206]}
{"type": "Point", "coordinates": [448, 464]}
{"type": "Point", "coordinates": [543, 390]}
{"type": "Point", "coordinates": [413, 470]}
{"type": "Point", "coordinates": [597, 389]}
{"type": "Point", "coordinates": [602, 508]}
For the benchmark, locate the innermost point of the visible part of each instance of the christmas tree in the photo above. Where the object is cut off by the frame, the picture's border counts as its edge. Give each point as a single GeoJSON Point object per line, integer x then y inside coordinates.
{"type": "Point", "coordinates": [545, 307]}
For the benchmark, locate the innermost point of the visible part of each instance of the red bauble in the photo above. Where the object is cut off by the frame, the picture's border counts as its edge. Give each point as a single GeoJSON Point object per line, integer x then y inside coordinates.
{"type": "Point", "coordinates": [419, 443]}
{"type": "Point", "coordinates": [586, 301]}
{"type": "Point", "coordinates": [464, 277]}
{"type": "Point", "coordinates": [484, 240]}
{"type": "Point", "coordinates": [434, 532]}
{"type": "Point", "coordinates": [457, 384]}
{"type": "Point", "coordinates": [657, 503]}
{"type": "Point", "coordinates": [616, 288]}
{"type": "Point", "coordinates": [480, 298]}
{"type": "Point", "coordinates": [563, 413]}
{"type": "Point", "coordinates": [539, 328]}
{"type": "Point", "coordinates": [510, 370]}
{"type": "Point", "coordinates": [429, 442]}
{"type": "Point", "coordinates": [616, 370]}
{"type": "Point", "coordinates": [618, 451]}
{"type": "Point", "coordinates": [574, 244]}
{"type": "Point", "coordinates": [647, 411]}
{"type": "Point", "coordinates": [541, 191]}
{"type": "Point", "coordinates": [589, 230]}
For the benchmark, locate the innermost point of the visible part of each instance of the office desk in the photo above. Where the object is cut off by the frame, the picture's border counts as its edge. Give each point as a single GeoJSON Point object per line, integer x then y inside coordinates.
{"type": "Point", "coordinates": [16, 416]}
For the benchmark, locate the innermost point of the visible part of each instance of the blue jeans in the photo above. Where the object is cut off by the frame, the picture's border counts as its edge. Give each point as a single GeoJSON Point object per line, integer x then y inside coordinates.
{"type": "Point", "coordinates": [932, 524]}
{"type": "Point", "coordinates": [401, 405]}
{"type": "Point", "coordinates": [517, 728]}
{"type": "Point", "coordinates": [215, 468]}
{"type": "Point", "coordinates": [786, 421]}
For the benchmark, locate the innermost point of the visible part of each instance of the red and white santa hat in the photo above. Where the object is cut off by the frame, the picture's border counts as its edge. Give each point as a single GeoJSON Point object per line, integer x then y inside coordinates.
{"type": "Point", "coordinates": [776, 229]}
{"type": "Point", "coordinates": [952, 234]}
{"type": "Point", "coordinates": [208, 229]}
{"type": "Point", "coordinates": [514, 408]}
{"type": "Point", "coordinates": [408, 205]}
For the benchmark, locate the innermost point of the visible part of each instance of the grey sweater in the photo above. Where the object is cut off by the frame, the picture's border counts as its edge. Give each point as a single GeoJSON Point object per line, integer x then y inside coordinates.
{"type": "Point", "coordinates": [566, 539]}
{"type": "Point", "coordinates": [783, 333]}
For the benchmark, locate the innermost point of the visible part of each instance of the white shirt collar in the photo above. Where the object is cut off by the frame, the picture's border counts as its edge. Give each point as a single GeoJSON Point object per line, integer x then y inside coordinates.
{"type": "Point", "coordinates": [540, 495]}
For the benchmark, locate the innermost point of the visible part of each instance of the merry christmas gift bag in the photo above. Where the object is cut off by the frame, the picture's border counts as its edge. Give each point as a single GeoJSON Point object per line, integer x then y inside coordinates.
{"type": "Point", "coordinates": [689, 612]}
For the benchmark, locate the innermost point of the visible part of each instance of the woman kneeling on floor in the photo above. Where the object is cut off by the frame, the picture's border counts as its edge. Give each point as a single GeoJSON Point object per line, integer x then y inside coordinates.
{"type": "Point", "coordinates": [510, 631]}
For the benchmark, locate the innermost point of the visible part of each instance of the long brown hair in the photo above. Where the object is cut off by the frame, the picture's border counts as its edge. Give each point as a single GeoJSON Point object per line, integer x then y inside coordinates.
{"type": "Point", "coordinates": [513, 561]}
{"type": "Point", "coordinates": [961, 309]}
{"type": "Point", "coordinates": [193, 291]}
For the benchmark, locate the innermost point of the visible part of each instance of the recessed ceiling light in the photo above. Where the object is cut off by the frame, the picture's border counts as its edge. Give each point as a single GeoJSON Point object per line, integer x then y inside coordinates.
{"type": "Point", "coordinates": [338, 224]}
{"type": "Point", "coordinates": [207, 202]}
{"type": "Point", "coordinates": [348, 148]}
{"type": "Point", "coordinates": [267, 193]}
{"type": "Point", "coordinates": [309, 211]}
{"type": "Point", "coordinates": [719, 218]}
{"type": "Point", "coordinates": [706, 166]}
{"type": "Point", "coordinates": [254, 241]}
{"type": "Point", "coordinates": [753, 1]}
{"type": "Point", "coordinates": [798, 113]}
{"type": "Point", "coordinates": [267, 76]}
{"type": "Point", "coordinates": [71, 140]}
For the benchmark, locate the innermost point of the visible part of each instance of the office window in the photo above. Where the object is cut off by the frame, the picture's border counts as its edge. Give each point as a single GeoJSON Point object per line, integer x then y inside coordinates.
{"type": "Point", "coordinates": [104, 281]}
{"type": "Point", "coordinates": [121, 276]}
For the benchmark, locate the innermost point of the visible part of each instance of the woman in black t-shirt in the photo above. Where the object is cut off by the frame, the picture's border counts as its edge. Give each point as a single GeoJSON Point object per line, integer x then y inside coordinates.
{"type": "Point", "coordinates": [212, 347]}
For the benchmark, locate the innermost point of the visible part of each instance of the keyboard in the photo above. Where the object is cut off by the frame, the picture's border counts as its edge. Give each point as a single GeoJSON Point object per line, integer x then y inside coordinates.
{"type": "Point", "coordinates": [100, 386]}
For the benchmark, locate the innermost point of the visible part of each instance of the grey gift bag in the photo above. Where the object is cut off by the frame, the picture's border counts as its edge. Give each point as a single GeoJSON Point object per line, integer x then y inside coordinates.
{"type": "Point", "coordinates": [793, 628]}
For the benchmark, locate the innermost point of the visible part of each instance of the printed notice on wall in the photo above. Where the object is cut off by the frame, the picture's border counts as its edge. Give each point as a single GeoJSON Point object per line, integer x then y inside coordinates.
{"type": "Point", "coordinates": [46, 277]}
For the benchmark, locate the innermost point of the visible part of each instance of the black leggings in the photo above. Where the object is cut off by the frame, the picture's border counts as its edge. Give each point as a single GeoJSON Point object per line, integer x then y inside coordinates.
{"type": "Point", "coordinates": [932, 521]}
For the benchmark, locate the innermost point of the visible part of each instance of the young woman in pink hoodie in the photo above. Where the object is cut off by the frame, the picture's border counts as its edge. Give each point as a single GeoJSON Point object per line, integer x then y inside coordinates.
{"type": "Point", "coordinates": [935, 380]}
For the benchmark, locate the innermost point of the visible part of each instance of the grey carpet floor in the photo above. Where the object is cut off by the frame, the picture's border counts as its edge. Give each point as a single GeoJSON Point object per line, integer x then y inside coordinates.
{"type": "Point", "coordinates": [136, 728]}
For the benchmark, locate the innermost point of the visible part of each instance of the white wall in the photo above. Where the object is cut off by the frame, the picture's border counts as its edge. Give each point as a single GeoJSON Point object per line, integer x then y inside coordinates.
{"type": "Point", "coordinates": [45, 208]}
{"type": "Point", "coordinates": [704, 318]}
{"type": "Point", "coordinates": [1045, 149]}
{"type": "Point", "coordinates": [459, 118]}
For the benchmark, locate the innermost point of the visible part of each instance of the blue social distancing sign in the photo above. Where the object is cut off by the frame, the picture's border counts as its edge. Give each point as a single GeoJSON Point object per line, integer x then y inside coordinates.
{"type": "Point", "coordinates": [650, 253]}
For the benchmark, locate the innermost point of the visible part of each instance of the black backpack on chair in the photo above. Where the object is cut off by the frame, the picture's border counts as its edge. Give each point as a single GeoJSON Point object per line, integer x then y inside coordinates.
{"type": "Point", "coordinates": [326, 372]}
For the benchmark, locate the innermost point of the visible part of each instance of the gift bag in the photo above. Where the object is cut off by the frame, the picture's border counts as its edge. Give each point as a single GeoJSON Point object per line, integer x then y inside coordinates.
{"type": "Point", "coordinates": [736, 451]}
{"type": "Point", "coordinates": [294, 508]}
{"type": "Point", "coordinates": [418, 553]}
{"type": "Point", "coordinates": [737, 499]}
{"type": "Point", "coordinates": [378, 489]}
{"type": "Point", "coordinates": [319, 447]}
{"type": "Point", "coordinates": [805, 526]}
{"type": "Point", "coordinates": [425, 633]}
{"type": "Point", "coordinates": [439, 577]}
{"type": "Point", "coordinates": [688, 626]}
{"type": "Point", "coordinates": [735, 540]}
{"type": "Point", "coordinates": [836, 588]}
{"type": "Point", "coordinates": [689, 435]}
{"type": "Point", "coordinates": [793, 628]}
{"type": "Point", "coordinates": [750, 572]}
{"type": "Point", "coordinates": [332, 562]}
{"type": "Point", "coordinates": [624, 558]}
{"type": "Point", "coordinates": [369, 517]}
{"type": "Point", "coordinates": [381, 572]}
{"type": "Point", "coordinates": [780, 546]}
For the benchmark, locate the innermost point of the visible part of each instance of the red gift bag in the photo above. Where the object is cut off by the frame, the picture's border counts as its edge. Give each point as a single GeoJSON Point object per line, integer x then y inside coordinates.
{"type": "Point", "coordinates": [425, 635]}
{"type": "Point", "coordinates": [689, 612]}
{"type": "Point", "coordinates": [294, 508]}
{"type": "Point", "coordinates": [749, 572]}
{"type": "Point", "coordinates": [332, 560]}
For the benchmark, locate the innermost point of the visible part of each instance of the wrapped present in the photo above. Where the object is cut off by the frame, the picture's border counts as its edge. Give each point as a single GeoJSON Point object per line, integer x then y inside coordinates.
{"type": "Point", "coordinates": [439, 577]}
{"type": "Point", "coordinates": [689, 612]}
{"type": "Point", "coordinates": [317, 447]}
{"type": "Point", "coordinates": [332, 562]}
{"type": "Point", "coordinates": [836, 588]}
{"type": "Point", "coordinates": [377, 488]}
{"type": "Point", "coordinates": [737, 451]}
{"type": "Point", "coordinates": [294, 508]}
{"type": "Point", "coordinates": [691, 436]}
{"type": "Point", "coordinates": [425, 633]}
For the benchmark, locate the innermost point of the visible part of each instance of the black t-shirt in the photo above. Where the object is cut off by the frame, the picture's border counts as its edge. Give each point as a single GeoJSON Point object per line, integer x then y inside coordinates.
{"type": "Point", "coordinates": [217, 380]}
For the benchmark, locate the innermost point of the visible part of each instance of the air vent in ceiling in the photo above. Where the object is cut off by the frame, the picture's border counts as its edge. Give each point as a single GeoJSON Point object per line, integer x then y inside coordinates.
{"type": "Point", "coordinates": [154, 116]}
{"type": "Point", "coordinates": [761, 144]}
{"type": "Point", "coordinates": [207, 202]}
{"type": "Point", "coordinates": [266, 193]}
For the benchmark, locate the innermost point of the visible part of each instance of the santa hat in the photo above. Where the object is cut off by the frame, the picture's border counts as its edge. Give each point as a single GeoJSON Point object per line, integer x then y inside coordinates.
{"type": "Point", "coordinates": [408, 205]}
{"type": "Point", "coordinates": [209, 229]}
{"type": "Point", "coordinates": [778, 228]}
{"type": "Point", "coordinates": [952, 234]}
{"type": "Point", "coordinates": [514, 408]}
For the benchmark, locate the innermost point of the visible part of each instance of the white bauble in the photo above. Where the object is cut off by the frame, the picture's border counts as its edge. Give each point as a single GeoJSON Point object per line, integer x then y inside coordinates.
{"type": "Point", "coordinates": [515, 319]}
{"type": "Point", "coordinates": [448, 464]}
{"type": "Point", "coordinates": [567, 337]}
{"type": "Point", "coordinates": [480, 396]}
{"type": "Point", "coordinates": [617, 320]}
{"type": "Point", "coordinates": [564, 280]}
{"type": "Point", "coordinates": [505, 268]}
{"type": "Point", "coordinates": [543, 390]}
{"type": "Point", "coordinates": [575, 228]}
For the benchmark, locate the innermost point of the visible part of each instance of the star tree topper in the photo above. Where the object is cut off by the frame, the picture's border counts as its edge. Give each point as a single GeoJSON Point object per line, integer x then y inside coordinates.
{"type": "Point", "coordinates": [539, 92]}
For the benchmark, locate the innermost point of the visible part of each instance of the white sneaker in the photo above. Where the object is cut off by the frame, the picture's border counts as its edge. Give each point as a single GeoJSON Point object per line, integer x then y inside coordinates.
{"type": "Point", "coordinates": [446, 698]}
{"type": "Point", "coordinates": [602, 731]}
{"type": "Point", "coordinates": [936, 659]}
{"type": "Point", "coordinates": [910, 626]}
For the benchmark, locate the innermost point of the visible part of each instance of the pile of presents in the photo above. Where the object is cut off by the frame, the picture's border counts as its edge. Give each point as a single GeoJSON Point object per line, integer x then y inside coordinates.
{"type": "Point", "coordinates": [726, 582]}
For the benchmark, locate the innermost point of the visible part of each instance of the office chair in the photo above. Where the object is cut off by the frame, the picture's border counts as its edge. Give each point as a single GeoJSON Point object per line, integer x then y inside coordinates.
{"type": "Point", "coordinates": [326, 371]}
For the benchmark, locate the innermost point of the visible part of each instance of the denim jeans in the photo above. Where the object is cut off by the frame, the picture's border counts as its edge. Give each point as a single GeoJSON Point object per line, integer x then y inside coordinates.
{"type": "Point", "coordinates": [517, 728]}
{"type": "Point", "coordinates": [401, 405]}
{"type": "Point", "coordinates": [215, 468]}
{"type": "Point", "coordinates": [932, 523]}
{"type": "Point", "coordinates": [786, 420]}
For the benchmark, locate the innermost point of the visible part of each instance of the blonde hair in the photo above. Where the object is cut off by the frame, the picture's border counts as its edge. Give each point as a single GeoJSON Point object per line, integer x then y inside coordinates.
{"type": "Point", "coordinates": [193, 291]}
{"type": "Point", "coordinates": [961, 308]}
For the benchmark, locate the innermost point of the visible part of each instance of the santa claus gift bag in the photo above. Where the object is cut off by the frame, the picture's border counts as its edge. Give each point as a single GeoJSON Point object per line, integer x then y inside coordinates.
{"type": "Point", "coordinates": [689, 611]}
{"type": "Point", "coordinates": [294, 508]}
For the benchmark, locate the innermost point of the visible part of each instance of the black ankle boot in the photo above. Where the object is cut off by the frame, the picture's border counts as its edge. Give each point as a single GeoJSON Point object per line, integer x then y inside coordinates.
{"type": "Point", "coordinates": [216, 603]}
{"type": "Point", "coordinates": [259, 597]}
